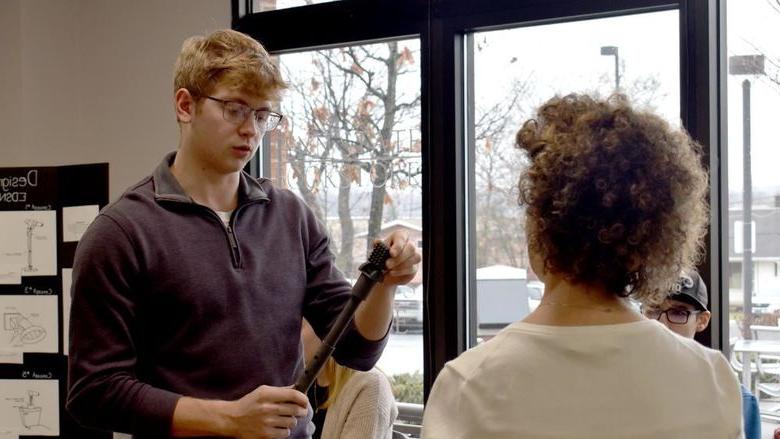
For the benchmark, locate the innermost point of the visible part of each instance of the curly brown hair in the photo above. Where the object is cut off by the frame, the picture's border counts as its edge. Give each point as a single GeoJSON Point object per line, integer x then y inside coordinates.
{"type": "Point", "coordinates": [614, 196]}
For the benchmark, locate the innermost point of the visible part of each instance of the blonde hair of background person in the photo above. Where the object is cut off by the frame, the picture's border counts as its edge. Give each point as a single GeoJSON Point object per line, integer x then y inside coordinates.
{"type": "Point", "coordinates": [615, 206]}
{"type": "Point", "coordinates": [338, 377]}
{"type": "Point", "coordinates": [359, 405]}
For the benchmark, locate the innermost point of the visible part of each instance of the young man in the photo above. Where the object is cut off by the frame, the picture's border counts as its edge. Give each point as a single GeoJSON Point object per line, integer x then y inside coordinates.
{"type": "Point", "coordinates": [685, 313]}
{"type": "Point", "coordinates": [188, 292]}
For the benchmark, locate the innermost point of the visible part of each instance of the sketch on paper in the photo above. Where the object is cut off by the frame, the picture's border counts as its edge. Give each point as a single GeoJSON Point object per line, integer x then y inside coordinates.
{"type": "Point", "coordinates": [23, 330]}
{"type": "Point", "coordinates": [31, 226]}
{"type": "Point", "coordinates": [29, 323]}
{"type": "Point", "coordinates": [30, 407]}
{"type": "Point", "coordinates": [28, 238]}
{"type": "Point", "coordinates": [29, 412]}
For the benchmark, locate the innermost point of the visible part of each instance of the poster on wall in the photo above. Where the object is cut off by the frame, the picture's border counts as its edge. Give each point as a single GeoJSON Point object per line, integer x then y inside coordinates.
{"type": "Point", "coordinates": [44, 212]}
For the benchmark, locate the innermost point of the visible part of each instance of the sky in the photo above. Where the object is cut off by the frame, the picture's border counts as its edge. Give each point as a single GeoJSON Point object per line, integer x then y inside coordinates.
{"type": "Point", "coordinates": [565, 57]}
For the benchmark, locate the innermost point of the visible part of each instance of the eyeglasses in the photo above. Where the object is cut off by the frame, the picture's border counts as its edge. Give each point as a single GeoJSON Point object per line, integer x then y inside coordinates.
{"type": "Point", "coordinates": [237, 113]}
{"type": "Point", "coordinates": [677, 316]}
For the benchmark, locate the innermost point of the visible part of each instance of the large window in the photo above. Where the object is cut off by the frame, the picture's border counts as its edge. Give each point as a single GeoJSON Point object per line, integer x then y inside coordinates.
{"type": "Point", "coordinates": [753, 218]}
{"type": "Point", "coordinates": [447, 168]}
{"type": "Point", "coordinates": [350, 147]}
{"type": "Point", "coordinates": [514, 71]}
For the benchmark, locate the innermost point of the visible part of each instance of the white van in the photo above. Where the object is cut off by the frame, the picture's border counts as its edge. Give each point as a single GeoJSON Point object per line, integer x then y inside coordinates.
{"type": "Point", "coordinates": [503, 297]}
{"type": "Point", "coordinates": [408, 308]}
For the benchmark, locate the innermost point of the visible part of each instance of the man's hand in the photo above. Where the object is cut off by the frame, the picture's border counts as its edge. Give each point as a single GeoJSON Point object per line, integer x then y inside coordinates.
{"type": "Point", "coordinates": [404, 260]}
{"type": "Point", "coordinates": [267, 412]}
{"type": "Point", "coordinates": [374, 315]}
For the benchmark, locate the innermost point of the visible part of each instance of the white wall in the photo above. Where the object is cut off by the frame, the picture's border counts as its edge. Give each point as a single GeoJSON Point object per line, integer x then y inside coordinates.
{"type": "Point", "coordinates": [87, 81]}
{"type": "Point", "coordinates": [10, 78]}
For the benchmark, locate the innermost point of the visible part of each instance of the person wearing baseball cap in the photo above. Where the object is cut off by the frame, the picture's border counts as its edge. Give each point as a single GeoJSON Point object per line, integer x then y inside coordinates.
{"type": "Point", "coordinates": [685, 313]}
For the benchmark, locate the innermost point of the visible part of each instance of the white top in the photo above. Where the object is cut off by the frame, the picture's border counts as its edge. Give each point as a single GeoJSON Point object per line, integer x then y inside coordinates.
{"type": "Point", "coordinates": [633, 380]}
{"type": "Point", "coordinates": [225, 216]}
{"type": "Point", "coordinates": [364, 409]}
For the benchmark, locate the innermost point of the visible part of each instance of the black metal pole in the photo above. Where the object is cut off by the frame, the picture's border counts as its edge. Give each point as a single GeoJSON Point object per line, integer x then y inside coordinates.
{"type": "Point", "coordinates": [747, 213]}
{"type": "Point", "coordinates": [617, 73]}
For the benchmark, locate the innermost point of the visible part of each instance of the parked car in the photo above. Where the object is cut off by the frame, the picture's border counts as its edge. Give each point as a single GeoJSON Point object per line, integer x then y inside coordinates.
{"type": "Point", "coordinates": [408, 308]}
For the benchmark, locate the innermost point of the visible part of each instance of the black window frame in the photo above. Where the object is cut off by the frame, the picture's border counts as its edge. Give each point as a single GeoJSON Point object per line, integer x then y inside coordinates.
{"type": "Point", "coordinates": [441, 26]}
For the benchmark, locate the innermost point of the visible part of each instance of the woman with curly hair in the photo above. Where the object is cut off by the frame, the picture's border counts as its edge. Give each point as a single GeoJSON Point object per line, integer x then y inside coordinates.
{"type": "Point", "coordinates": [615, 203]}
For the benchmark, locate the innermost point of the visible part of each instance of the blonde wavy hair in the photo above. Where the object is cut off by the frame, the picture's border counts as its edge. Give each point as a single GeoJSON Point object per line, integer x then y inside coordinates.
{"type": "Point", "coordinates": [229, 58]}
{"type": "Point", "coordinates": [339, 375]}
{"type": "Point", "coordinates": [613, 196]}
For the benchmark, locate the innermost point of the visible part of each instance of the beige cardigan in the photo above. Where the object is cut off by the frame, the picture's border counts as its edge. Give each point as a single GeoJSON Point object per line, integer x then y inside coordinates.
{"type": "Point", "coordinates": [365, 409]}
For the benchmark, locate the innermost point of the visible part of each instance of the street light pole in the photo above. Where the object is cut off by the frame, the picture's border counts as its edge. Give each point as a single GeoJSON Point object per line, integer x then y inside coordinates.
{"type": "Point", "coordinates": [613, 51]}
{"type": "Point", "coordinates": [747, 207]}
{"type": "Point", "coordinates": [747, 65]}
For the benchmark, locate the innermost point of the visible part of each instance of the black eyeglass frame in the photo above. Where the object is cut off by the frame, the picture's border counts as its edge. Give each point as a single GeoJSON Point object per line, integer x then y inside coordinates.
{"type": "Point", "coordinates": [688, 313]}
{"type": "Point", "coordinates": [271, 123]}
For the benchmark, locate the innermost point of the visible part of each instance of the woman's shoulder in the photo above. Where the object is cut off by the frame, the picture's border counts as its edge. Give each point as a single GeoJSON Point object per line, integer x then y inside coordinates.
{"type": "Point", "coordinates": [373, 379]}
{"type": "Point", "coordinates": [523, 344]}
{"type": "Point", "coordinates": [367, 391]}
{"type": "Point", "coordinates": [688, 348]}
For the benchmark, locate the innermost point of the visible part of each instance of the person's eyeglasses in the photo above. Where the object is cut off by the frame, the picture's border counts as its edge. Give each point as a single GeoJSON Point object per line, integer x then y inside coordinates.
{"type": "Point", "coordinates": [673, 315]}
{"type": "Point", "coordinates": [237, 113]}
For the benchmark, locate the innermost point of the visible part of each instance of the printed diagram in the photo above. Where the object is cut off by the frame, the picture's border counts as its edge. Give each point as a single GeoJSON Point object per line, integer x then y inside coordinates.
{"type": "Point", "coordinates": [24, 332]}
{"type": "Point", "coordinates": [31, 226]}
{"type": "Point", "coordinates": [29, 412]}
{"type": "Point", "coordinates": [28, 240]}
{"type": "Point", "coordinates": [29, 323]}
{"type": "Point", "coordinates": [30, 407]}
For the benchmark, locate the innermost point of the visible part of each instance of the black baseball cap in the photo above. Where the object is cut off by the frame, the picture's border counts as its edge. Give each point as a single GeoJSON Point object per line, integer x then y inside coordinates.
{"type": "Point", "coordinates": [690, 288]}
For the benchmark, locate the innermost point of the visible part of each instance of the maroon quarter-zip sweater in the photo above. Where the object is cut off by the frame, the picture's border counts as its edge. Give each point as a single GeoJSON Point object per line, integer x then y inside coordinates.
{"type": "Point", "coordinates": [168, 301]}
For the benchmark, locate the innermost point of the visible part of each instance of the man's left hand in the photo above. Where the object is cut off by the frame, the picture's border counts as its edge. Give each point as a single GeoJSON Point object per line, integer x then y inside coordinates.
{"type": "Point", "coordinates": [404, 259]}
